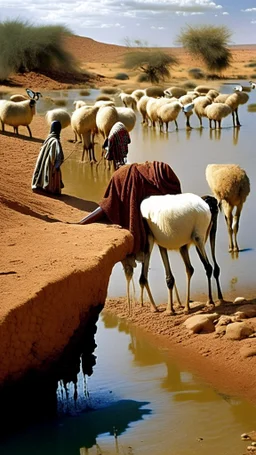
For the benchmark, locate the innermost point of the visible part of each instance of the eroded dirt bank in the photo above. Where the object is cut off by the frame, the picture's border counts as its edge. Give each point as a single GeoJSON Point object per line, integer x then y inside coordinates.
{"type": "Point", "coordinates": [51, 273]}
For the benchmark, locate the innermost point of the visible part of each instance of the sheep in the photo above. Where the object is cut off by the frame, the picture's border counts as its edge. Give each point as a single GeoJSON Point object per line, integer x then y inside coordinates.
{"type": "Point", "coordinates": [137, 94]}
{"type": "Point", "coordinates": [100, 103]}
{"type": "Point", "coordinates": [169, 113]}
{"type": "Point", "coordinates": [17, 98]}
{"type": "Point", "coordinates": [200, 104]}
{"type": "Point", "coordinates": [216, 112]}
{"type": "Point", "coordinates": [106, 117]}
{"type": "Point", "coordinates": [127, 116]}
{"type": "Point", "coordinates": [83, 123]}
{"type": "Point", "coordinates": [151, 110]}
{"type": "Point", "coordinates": [188, 100]}
{"type": "Point", "coordinates": [203, 89]}
{"type": "Point", "coordinates": [58, 114]}
{"type": "Point", "coordinates": [252, 84]}
{"type": "Point", "coordinates": [175, 222]}
{"type": "Point", "coordinates": [234, 101]}
{"type": "Point", "coordinates": [175, 91]}
{"type": "Point", "coordinates": [17, 114]}
{"type": "Point", "coordinates": [79, 103]}
{"type": "Point", "coordinates": [230, 185]}
{"type": "Point", "coordinates": [242, 88]}
{"type": "Point", "coordinates": [128, 100]}
{"type": "Point", "coordinates": [142, 107]}
{"type": "Point", "coordinates": [154, 91]}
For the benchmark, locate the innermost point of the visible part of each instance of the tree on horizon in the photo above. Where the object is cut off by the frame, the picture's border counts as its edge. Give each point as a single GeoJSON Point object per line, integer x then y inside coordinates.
{"type": "Point", "coordinates": [208, 42]}
{"type": "Point", "coordinates": [154, 65]}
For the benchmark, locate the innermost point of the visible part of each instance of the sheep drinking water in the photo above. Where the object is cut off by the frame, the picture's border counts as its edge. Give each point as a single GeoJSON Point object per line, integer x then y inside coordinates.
{"type": "Point", "coordinates": [175, 222]}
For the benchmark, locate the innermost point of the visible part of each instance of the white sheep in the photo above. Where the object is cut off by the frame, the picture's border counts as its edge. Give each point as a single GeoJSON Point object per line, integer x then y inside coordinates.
{"type": "Point", "coordinates": [17, 98]}
{"type": "Point", "coordinates": [128, 100]}
{"type": "Point", "coordinates": [252, 84]}
{"type": "Point", "coordinates": [234, 101]}
{"type": "Point", "coordinates": [216, 112]}
{"type": "Point", "coordinates": [169, 113]}
{"type": "Point", "coordinates": [79, 103]}
{"type": "Point", "coordinates": [175, 222]}
{"type": "Point", "coordinates": [127, 116]}
{"type": "Point", "coordinates": [83, 123]}
{"type": "Point", "coordinates": [175, 91]}
{"type": "Point", "coordinates": [142, 107]}
{"type": "Point", "coordinates": [106, 117]}
{"type": "Point", "coordinates": [137, 94]}
{"type": "Point", "coordinates": [200, 104]}
{"type": "Point", "coordinates": [58, 114]}
{"type": "Point", "coordinates": [17, 114]}
{"type": "Point", "coordinates": [231, 186]}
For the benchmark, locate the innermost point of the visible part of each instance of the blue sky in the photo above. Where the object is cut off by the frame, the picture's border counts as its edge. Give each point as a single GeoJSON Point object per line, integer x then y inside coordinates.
{"type": "Point", "coordinates": [155, 23]}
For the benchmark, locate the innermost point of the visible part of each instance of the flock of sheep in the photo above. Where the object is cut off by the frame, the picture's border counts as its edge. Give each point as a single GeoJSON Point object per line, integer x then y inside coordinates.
{"type": "Point", "coordinates": [229, 184]}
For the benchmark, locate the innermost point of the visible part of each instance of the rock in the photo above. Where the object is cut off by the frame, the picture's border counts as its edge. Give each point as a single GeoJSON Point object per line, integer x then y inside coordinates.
{"type": "Point", "coordinates": [246, 311]}
{"type": "Point", "coordinates": [240, 300]}
{"type": "Point", "coordinates": [239, 330]}
{"type": "Point", "coordinates": [201, 323]}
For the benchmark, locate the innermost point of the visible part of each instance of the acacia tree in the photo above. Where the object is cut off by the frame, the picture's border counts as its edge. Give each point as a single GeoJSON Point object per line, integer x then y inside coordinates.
{"type": "Point", "coordinates": [210, 43]}
{"type": "Point", "coordinates": [154, 64]}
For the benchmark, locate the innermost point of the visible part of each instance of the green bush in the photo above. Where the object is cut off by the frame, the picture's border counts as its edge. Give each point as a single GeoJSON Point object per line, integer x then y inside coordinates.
{"type": "Point", "coordinates": [143, 77]}
{"type": "Point", "coordinates": [251, 65]}
{"type": "Point", "coordinates": [251, 107]}
{"type": "Point", "coordinates": [196, 73]}
{"type": "Point", "coordinates": [155, 64]}
{"type": "Point", "coordinates": [25, 47]}
{"type": "Point", "coordinates": [84, 92]}
{"type": "Point", "coordinates": [189, 85]}
{"type": "Point", "coordinates": [122, 76]}
{"type": "Point", "coordinates": [109, 90]}
{"type": "Point", "coordinates": [60, 102]}
{"type": "Point", "coordinates": [104, 98]}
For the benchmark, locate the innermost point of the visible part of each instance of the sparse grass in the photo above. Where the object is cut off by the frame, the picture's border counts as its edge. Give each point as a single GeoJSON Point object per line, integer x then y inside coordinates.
{"type": "Point", "coordinates": [251, 65]}
{"type": "Point", "coordinates": [252, 76]}
{"type": "Point", "coordinates": [241, 76]}
{"type": "Point", "coordinates": [60, 102]}
{"type": "Point", "coordinates": [196, 73]}
{"type": "Point", "coordinates": [104, 98]}
{"type": "Point", "coordinates": [122, 76]}
{"type": "Point", "coordinates": [109, 90]}
{"type": "Point", "coordinates": [189, 85]}
{"type": "Point", "coordinates": [143, 77]}
{"type": "Point", "coordinates": [251, 107]}
{"type": "Point", "coordinates": [85, 92]}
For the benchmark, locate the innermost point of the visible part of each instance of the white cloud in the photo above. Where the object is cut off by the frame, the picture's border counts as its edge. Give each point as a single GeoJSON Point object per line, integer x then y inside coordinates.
{"type": "Point", "coordinates": [225, 13]}
{"type": "Point", "coordinates": [248, 10]}
{"type": "Point", "coordinates": [253, 22]}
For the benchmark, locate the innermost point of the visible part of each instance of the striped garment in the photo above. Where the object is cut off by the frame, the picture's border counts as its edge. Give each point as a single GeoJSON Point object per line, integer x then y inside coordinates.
{"type": "Point", "coordinates": [116, 145]}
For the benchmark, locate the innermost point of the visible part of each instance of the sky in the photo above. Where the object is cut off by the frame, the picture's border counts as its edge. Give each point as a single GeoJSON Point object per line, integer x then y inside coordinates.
{"type": "Point", "coordinates": [153, 23]}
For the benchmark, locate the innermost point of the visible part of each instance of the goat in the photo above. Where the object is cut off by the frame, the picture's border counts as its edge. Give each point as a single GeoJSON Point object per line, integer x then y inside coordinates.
{"type": "Point", "coordinates": [175, 222]}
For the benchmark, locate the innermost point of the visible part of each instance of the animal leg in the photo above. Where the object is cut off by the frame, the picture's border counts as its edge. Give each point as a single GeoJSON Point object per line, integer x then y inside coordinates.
{"type": "Point", "coordinates": [189, 270]}
{"type": "Point", "coordinates": [216, 271]}
{"type": "Point", "coordinates": [176, 124]}
{"type": "Point", "coordinates": [235, 226]}
{"type": "Point", "coordinates": [208, 268]}
{"type": "Point", "coordinates": [237, 119]}
{"type": "Point", "coordinates": [144, 275]}
{"type": "Point", "coordinates": [128, 267]}
{"type": "Point", "coordinates": [29, 130]}
{"type": "Point", "coordinates": [229, 222]}
{"type": "Point", "coordinates": [169, 279]}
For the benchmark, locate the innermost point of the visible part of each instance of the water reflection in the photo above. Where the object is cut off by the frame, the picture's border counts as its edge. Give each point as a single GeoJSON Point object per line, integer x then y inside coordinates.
{"type": "Point", "coordinates": [72, 434]}
{"type": "Point", "coordinates": [54, 390]}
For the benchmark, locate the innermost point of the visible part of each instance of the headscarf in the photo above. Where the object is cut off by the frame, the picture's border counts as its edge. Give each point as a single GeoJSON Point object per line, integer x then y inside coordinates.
{"type": "Point", "coordinates": [55, 128]}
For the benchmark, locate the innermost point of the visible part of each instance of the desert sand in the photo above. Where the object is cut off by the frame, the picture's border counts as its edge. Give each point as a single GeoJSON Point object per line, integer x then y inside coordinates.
{"type": "Point", "coordinates": [44, 258]}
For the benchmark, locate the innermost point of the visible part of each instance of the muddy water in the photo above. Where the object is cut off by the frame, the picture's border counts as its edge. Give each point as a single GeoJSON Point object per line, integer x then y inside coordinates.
{"type": "Point", "coordinates": [138, 394]}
